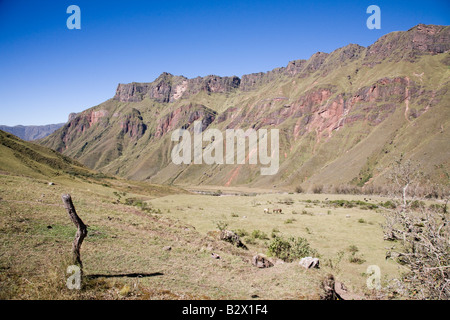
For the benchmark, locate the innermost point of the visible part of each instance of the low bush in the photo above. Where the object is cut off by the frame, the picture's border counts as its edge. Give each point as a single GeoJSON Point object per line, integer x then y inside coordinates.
{"type": "Point", "coordinates": [290, 249]}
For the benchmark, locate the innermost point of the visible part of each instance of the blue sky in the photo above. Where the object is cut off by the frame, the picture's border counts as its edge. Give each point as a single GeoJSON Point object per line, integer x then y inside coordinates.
{"type": "Point", "coordinates": [48, 71]}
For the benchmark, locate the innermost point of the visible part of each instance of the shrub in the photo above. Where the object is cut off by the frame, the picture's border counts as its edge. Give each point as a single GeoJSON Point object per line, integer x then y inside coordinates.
{"type": "Point", "coordinates": [249, 240]}
{"type": "Point", "coordinates": [388, 205]}
{"type": "Point", "coordinates": [353, 249]}
{"type": "Point", "coordinates": [355, 259]}
{"type": "Point", "coordinates": [416, 204]}
{"type": "Point", "coordinates": [287, 201]}
{"type": "Point", "coordinates": [318, 189]}
{"type": "Point", "coordinates": [241, 233]}
{"type": "Point", "coordinates": [290, 249]}
{"type": "Point", "coordinates": [221, 225]}
{"type": "Point", "coordinates": [299, 189]}
{"type": "Point", "coordinates": [258, 234]}
{"type": "Point", "coordinates": [274, 233]}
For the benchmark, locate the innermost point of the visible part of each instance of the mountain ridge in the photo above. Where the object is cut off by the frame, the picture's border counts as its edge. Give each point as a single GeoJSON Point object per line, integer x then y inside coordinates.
{"type": "Point", "coordinates": [325, 107]}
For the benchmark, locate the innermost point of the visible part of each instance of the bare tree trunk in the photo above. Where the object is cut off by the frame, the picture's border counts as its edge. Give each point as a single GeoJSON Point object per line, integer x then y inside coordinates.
{"type": "Point", "coordinates": [404, 195]}
{"type": "Point", "coordinates": [81, 228]}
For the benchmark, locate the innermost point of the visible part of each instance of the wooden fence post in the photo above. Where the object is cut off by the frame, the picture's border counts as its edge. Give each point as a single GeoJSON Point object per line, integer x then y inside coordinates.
{"type": "Point", "coordinates": [81, 229]}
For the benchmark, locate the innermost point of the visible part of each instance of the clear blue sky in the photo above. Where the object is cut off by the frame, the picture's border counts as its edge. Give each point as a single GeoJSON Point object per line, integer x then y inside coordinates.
{"type": "Point", "coordinates": [48, 71]}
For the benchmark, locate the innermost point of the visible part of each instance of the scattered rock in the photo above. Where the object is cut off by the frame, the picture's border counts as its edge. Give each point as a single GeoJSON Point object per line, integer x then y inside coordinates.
{"type": "Point", "coordinates": [328, 287]}
{"type": "Point", "coordinates": [261, 262]}
{"type": "Point", "coordinates": [309, 263]}
{"type": "Point", "coordinates": [230, 236]}
{"type": "Point", "coordinates": [215, 256]}
{"type": "Point", "coordinates": [335, 290]}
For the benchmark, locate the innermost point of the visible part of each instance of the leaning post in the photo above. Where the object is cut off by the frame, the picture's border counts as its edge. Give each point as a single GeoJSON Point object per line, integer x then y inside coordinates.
{"type": "Point", "coordinates": [81, 229]}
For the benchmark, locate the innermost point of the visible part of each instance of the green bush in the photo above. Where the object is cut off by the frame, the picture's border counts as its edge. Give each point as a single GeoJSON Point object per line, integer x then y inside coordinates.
{"type": "Point", "coordinates": [221, 225]}
{"type": "Point", "coordinates": [290, 249]}
{"type": "Point", "coordinates": [241, 233]}
{"type": "Point", "coordinates": [258, 234]}
{"type": "Point", "coordinates": [388, 204]}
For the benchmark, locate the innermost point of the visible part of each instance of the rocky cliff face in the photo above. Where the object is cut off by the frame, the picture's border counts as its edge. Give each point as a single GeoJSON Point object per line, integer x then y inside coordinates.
{"type": "Point", "coordinates": [342, 116]}
{"type": "Point", "coordinates": [169, 88]}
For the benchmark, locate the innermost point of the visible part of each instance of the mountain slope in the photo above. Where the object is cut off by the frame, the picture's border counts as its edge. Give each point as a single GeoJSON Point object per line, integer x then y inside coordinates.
{"type": "Point", "coordinates": [24, 158]}
{"type": "Point", "coordinates": [343, 117]}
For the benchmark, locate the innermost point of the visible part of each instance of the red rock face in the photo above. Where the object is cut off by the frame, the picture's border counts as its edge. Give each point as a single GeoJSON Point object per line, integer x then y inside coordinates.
{"type": "Point", "coordinates": [79, 124]}
{"type": "Point", "coordinates": [95, 116]}
{"type": "Point", "coordinates": [133, 124]}
{"type": "Point", "coordinates": [183, 117]}
{"type": "Point", "coordinates": [320, 110]}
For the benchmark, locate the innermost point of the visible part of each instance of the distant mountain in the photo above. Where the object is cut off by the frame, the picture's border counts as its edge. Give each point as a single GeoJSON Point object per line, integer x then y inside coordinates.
{"type": "Point", "coordinates": [30, 133]}
{"type": "Point", "coordinates": [343, 117]}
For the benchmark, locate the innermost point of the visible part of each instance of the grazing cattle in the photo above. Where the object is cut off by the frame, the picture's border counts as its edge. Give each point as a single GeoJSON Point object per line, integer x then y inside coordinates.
{"type": "Point", "coordinates": [276, 210]}
{"type": "Point", "coordinates": [266, 210]}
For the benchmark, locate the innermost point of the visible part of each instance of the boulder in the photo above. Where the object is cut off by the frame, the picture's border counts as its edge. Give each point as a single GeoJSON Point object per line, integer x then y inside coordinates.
{"type": "Point", "coordinates": [230, 236]}
{"type": "Point", "coordinates": [309, 263]}
{"type": "Point", "coordinates": [261, 262]}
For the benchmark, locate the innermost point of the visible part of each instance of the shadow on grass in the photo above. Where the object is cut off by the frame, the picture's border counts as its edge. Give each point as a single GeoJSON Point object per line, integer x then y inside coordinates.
{"type": "Point", "coordinates": [124, 275]}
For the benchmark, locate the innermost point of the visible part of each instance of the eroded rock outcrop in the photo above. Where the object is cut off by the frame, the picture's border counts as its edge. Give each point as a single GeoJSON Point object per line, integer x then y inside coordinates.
{"type": "Point", "coordinates": [169, 88]}
{"type": "Point", "coordinates": [133, 124]}
{"type": "Point", "coordinates": [183, 117]}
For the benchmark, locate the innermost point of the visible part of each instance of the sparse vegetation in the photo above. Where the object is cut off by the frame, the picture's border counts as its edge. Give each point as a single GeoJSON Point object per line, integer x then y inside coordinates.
{"type": "Point", "coordinates": [299, 189]}
{"type": "Point", "coordinates": [258, 234]}
{"type": "Point", "coordinates": [318, 189]}
{"type": "Point", "coordinates": [288, 221]}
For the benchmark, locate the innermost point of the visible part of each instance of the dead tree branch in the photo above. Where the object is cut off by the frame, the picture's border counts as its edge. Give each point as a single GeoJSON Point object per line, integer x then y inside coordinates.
{"type": "Point", "coordinates": [81, 228]}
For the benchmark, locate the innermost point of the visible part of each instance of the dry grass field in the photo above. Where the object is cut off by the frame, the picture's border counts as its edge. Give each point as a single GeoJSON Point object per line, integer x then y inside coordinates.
{"type": "Point", "coordinates": [131, 226]}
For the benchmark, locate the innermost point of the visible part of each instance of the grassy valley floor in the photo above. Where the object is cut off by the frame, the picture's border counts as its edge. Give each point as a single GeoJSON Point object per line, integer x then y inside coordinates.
{"type": "Point", "coordinates": [167, 237]}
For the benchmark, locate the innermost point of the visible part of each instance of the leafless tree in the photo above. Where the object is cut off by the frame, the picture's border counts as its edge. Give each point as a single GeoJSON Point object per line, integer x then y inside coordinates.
{"type": "Point", "coordinates": [422, 236]}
